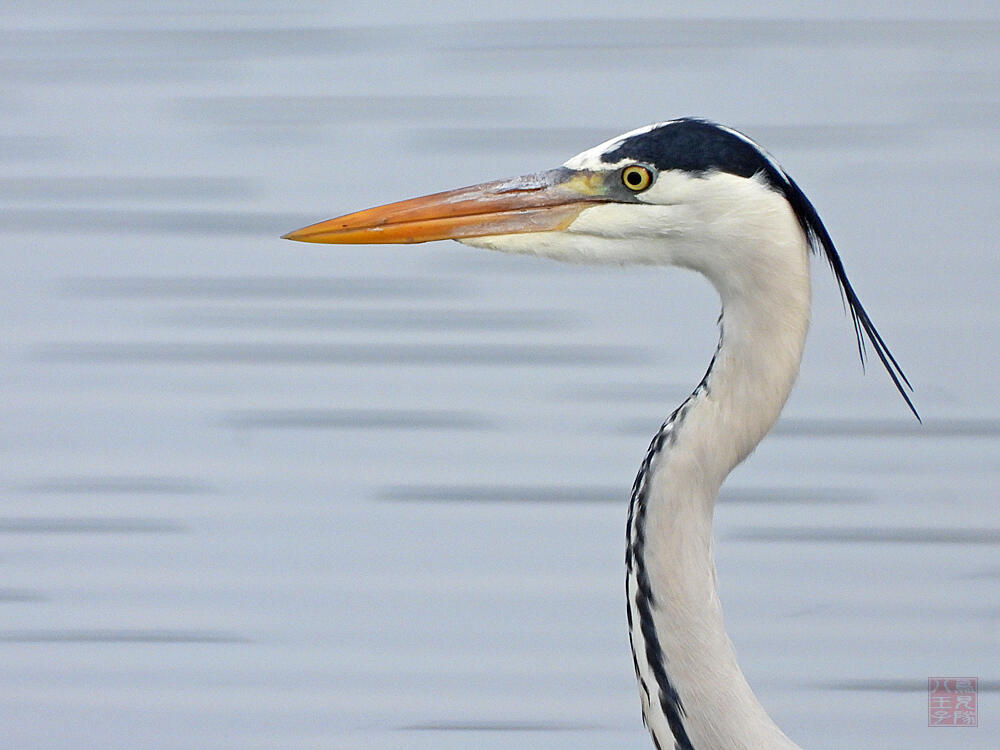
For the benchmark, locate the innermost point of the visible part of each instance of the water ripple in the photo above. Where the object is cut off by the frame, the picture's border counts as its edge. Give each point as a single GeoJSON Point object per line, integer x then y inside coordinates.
{"type": "Point", "coordinates": [368, 419]}
{"type": "Point", "coordinates": [90, 526]}
{"type": "Point", "coordinates": [868, 535]}
{"type": "Point", "coordinates": [578, 355]}
{"type": "Point", "coordinates": [120, 636]}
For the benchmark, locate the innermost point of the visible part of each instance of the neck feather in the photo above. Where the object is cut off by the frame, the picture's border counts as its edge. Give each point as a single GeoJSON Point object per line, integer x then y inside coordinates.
{"type": "Point", "coordinates": [694, 695]}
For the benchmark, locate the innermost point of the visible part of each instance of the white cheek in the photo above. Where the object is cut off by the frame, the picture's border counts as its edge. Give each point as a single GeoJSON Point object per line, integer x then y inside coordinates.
{"type": "Point", "coordinates": [612, 233]}
{"type": "Point", "coordinates": [672, 187]}
{"type": "Point", "coordinates": [529, 243]}
{"type": "Point", "coordinates": [632, 220]}
{"type": "Point", "coordinates": [562, 246]}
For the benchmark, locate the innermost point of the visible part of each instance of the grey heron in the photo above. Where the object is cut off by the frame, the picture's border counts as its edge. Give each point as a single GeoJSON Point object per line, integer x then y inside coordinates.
{"type": "Point", "coordinates": [698, 195]}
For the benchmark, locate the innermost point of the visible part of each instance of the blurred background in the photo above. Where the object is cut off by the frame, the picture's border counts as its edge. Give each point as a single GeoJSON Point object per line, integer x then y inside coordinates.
{"type": "Point", "coordinates": [259, 494]}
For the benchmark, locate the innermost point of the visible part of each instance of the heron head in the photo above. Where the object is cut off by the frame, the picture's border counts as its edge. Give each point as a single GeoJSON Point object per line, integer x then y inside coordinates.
{"type": "Point", "coordinates": [685, 192]}
{"type": "Point", "coordinates": [668, 194]}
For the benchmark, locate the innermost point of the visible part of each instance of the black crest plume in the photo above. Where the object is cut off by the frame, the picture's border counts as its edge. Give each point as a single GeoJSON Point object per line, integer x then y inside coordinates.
{"type": "Point", "coordinates": [820, 241]}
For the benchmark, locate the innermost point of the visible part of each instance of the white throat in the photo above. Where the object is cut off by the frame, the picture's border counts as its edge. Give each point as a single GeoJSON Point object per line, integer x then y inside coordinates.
{"type": "Point", "coordinates": [693, 692]}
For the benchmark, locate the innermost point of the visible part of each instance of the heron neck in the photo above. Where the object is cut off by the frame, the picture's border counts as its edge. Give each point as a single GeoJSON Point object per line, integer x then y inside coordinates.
{"type": "Point", "coordinates": [695, 690]}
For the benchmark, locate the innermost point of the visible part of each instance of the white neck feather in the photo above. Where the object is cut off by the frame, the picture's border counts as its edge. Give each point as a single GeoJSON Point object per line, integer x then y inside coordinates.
{"type": "Point", "coordinates": [765, 318]}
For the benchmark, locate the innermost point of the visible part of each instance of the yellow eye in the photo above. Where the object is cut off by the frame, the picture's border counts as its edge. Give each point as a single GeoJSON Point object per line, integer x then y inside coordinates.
{"type": "Point", "coordinates": [637, 178]}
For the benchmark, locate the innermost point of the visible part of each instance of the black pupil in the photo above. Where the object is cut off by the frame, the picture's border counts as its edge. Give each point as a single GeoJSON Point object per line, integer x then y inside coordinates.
{"type": "Point", "coordinates": [634, 177]}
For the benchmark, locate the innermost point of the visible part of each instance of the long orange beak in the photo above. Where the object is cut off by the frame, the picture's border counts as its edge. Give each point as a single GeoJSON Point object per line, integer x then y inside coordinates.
{"type": "Point", "coordinates": [543, 202]}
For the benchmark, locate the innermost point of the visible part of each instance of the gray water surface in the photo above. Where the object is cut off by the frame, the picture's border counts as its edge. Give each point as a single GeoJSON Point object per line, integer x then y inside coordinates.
{"type": "Point", "coordinates": [258, 494]}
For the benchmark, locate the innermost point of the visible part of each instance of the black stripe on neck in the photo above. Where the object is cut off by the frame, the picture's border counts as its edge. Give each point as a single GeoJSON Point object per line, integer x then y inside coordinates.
{"type": "Point", "coordinates": [668, 698]}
